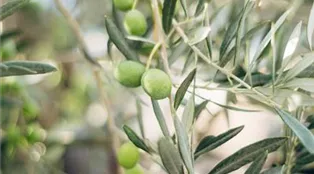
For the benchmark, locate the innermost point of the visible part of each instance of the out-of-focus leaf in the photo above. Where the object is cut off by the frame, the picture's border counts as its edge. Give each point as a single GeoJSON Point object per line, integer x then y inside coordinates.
{"type": "Point", "coordinates": [199, 7]}
{"type": "Point", "coordinates": [300, 66]}
{"type": "Point", "coordinates": [310, 27]}
{"type": "Point", "coordinates": [293, 40]}
{"type": "Point", "coordinates": [183, 143]}
{"type": "Point", "coordinates": [199, 108]}
{"type": "Point", "coordinates": [118, 39]}
{"type": "Point", "coordinates": [267, 38]}
{"type": "Point", "coordinates": [304, 135]}
{"type": "Point", "coordinates": [160, 118]}
{"type": "Point", "coordinates": [140, 118]}
{"type": "Point", "coordinates": [183, 88]}
{"type": "Point", "coordinates": [170, 156]}
{"type": "Point", "coordinates": [212, 142]}
{"type": "Point", "coordinates": [136, 140]}
{"type": "Point", "coordinates": [232, 32]}
{"type": "Point", "coordinates": [257, 164]}
{"type": "Point", "coordinates": [306, 159]}
{"type": "Point", "coordinates": [247, 155]}
{"type": "Point", "coordinates": [184, 7]}
{"type": "Point", "coordinates": [306, 84]}
{"type": "Point", "coordinates": [17, 68]}
{"type": "Point", "coordinates": [8, 35]}
{"type": "Point", "coordinates": [177, 52]}
{"type": "Point", "coordinates": [188, 114]}
{"type": "Point", "coordinates": [167, 14]}
{"type": "Point", "coordinates": [10, 7]}
{"type": "Point", "coordinates": [199, 35]}
{"type": "Point", "coordinates": [209, 46]}
{"type": "Point", "coordinates": [248, 35]}
{"type": "Point", "coordinates": [140, 39]}
{"type": "Point", "coordinates": [274, 170]}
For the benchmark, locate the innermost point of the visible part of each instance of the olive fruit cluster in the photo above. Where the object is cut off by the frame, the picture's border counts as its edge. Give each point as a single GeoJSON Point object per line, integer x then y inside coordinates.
{"type": "Point", "coordinates": [134, 21]}
{"type": "Point", "coordinates": [128, 157]}
{"type": "Point", "coordinates": [155, 82]}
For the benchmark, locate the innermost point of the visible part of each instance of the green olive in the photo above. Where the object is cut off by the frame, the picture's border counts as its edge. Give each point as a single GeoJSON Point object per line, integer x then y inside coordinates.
{"type": "Point", "coordinates": [157, 84]}
{"type": "Point", "coordinates": [123, 5]}
{"type": "Point", "coordinates": [129, 73]}
{"type": "Point", "coordinates": [135, 23]}
{"type": "Point", "coordinates": [135, 170]}
{"type": "Point", "coordinates": [13, 134]}
{"type": "Point", "coordinates": [128, 155]}
{"type": "Point", "coordinates": [33, 133]}
{"type": "Point", "coordinates": [8, 50]}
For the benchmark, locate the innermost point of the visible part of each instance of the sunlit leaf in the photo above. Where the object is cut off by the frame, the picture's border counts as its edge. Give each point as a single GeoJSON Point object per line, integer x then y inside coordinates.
{"type": "Point", "coordinates": [141, 39]}
{"type": "Point", "coordinates": [183, 88]}
{"type": "Point", "coordinates": [183, 143]}
{"type": "Point", "coordinates": [118, 39]}
{"type": "Point", "coordinates": [306, 84]}
{"type": "Point", "coordinates": [212, 142]}
{"type": "Point", "coordinates": [160, 118]}
{"type": "Point", "coordinates": [167, 14]}
{"type": "Point", "coordinates": [257, 164]}
{"type": "Point", "coordinates": [10, 7]}
{"type": "Point", "coordinates": [18, 68]}
{"type": "Point", "coordinates": [310, 27]}
{"type": "Point", "coordinates": [247, 155]}
{"type": "Point", "coordinates": [304, 135]}
{"type": "Point", "coordinates": [293, 40]}
{"type": "Point", "coordinates": [198, 35]}
{"type": "Point", "coordinates": [170, 156]}
{"type": "Point", "coordinates": [136, 140]}
{"type": "Point", "coordinates": [188, 114]}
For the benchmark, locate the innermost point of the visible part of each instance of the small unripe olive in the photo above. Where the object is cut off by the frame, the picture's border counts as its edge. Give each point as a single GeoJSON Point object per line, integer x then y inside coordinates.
{"type": "Point", "coordinates": [135, 23]}
{"type": "Point", "coordinates": [157, 84]}
{"type": "Point", "coordinates": [135, 170]}
{"type": "Point", "coordinates": [129, 73]}
{"type": "Point", "coordinates": [128, 155]}
{"type": "Point", "coordinates": [123, 5]}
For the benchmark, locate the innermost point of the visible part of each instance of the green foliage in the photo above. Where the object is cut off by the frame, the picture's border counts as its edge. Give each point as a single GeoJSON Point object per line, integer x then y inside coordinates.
{"type": "Point", "coordinates": [10, 7]}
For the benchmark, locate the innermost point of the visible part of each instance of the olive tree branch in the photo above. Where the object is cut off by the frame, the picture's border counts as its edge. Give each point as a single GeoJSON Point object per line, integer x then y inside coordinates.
{"type": "Point", "coordinates": [224, 71]}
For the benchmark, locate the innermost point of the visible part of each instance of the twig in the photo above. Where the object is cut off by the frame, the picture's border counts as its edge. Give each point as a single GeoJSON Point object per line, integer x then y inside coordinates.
{"type": "Point", "coordinates": [226, 72]}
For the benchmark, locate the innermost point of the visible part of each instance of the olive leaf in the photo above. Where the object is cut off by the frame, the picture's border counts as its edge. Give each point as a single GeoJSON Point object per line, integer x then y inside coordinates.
{"type": "Point", "coordinates": [10, 7]}
{"type": "Point", "coordinates": [118, 39]}
{"type": "Point", "coordinates": [310, 27]}
{"type": "Point", "coordinates": [183, 88]}
{"type": "Point", "coordinates": [136, 140]}
{"type": "Point", "coordinates": [293, 41]}
{"type": "Point", "coordinates": [160, 118]}
{"type": "Point", "coordinates": [188, 114]}
{"type": "Point", "coordinates": [274, 170]}
{"type": "Point", "coordinates": [306, 84]}
{"type": "Point", "coordinates": [198, 35]}
{"type": "Point", "coordinates": [183, 143]}
{"type": "Point", "coordinates": [212, 142]}
{"type": "Point", "coordinates": [170, 156]}
{"type": "Point", "coordinates": [184, 7]}
{"type": "Point", "coordinates": [8, 35]}
{"type": "Point", "coordinates": [167, 14]}
{"type": "Point", "coordinates": [199, 8]}
{"type": "Point", "coordinates": [257, 164]}
{"type": "Point", "coordinates": [199, 108]}
{"type": "Point", "coordinates": [304, 135]}
{"type": "Point", "coordinates": [18, 68]}
{"type": "Point", "coordinates": [247, 155]}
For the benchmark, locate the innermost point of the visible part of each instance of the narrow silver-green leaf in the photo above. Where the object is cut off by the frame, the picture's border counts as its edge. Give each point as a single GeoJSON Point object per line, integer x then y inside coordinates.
{"type": "Point", "coordinates": [160, 118]}
{"type": "Point", "coordinates": [183, 143]}
{"type": "Point", "coordinates": [199, 8]}
{"type": "Point", "coordinates": [140, 118]}
{"type": "Point", "coordinates": [136, 140]}
{"type": "Point", "coordinates": [267, 38]}
{"type": "Point", "coordinates": [308, 60]}
{"type": "Point", "coordinates": [247, 155]}
{"type": "Point", "coordinates": [305, 136]}
{"type": "Point", "coordinates": [198, 35]}
{"type": "Point", "coordinates": [184, 7]}
{"type": "Point", "coordinates": [257, 165]}
{"type": "Point", "coordinates": [306, 84]}
{"type": "Point", "coordinates": [10, 7]}
{"type": "Point", "coordinates": [212, 142]}
{"type": "Point", "coordinates": [118, 39]}
{"type": "Point", "coordinates": [8, 35]}
{"type": "Point", "coordinates": [310, 27]}
{"type": "Point", "coordinates": [274, 170]}
{"type": "Point", "coordinates": [18, 68]}
{"type": "Point", "coordinates": [188, 114]}
{"type": "Point", "coordinates": [140, 39]}
{"type": "Point", "coordinates": [183, 88]}
{"type": "Point", "coordinates": [199, 108]}
{"type": "Point", "coordinates": [170, 156]}
{"type": "Point", "coordinates": [167, 14]}
{"type": "Point", "coordinates": [293, 40]}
